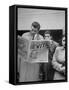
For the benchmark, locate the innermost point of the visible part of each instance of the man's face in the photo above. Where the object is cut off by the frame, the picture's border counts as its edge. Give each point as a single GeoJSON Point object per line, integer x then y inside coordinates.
{"type": "Point", "coordinates": [34, 30]}
{"type": "Point", "coordinates": [47, 37]}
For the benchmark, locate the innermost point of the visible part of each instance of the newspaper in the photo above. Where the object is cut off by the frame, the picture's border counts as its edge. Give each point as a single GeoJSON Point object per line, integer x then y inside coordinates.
{"type": "Point", "coordinates": [33, 50]}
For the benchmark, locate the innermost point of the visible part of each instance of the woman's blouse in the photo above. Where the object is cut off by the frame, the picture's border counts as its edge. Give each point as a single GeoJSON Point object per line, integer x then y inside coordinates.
{"type": "Point", "coordinates": [59, 57]}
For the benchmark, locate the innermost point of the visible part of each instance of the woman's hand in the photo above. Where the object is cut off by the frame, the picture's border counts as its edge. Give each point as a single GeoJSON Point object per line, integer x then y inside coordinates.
{"type": "Point", "coordinates": [62, 69]}
{"type": "Point", "coordinates": [58, 67]}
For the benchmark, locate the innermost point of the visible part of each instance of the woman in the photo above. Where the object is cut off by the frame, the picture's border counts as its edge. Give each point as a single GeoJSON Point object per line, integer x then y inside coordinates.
{"type": "Point", "coordinates": [58, 61]}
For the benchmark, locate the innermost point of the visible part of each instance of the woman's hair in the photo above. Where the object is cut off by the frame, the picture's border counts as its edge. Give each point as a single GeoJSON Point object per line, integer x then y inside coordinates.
{"type": "Point", "coordinates": [36, 25]}
{"type": "Point", "coordinates": [63, 36]}
{"type": "Point", "coordinates": [60, 41]}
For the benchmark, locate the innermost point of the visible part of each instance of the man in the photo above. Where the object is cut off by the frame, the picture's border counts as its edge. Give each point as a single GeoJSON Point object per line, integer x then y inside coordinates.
{"type": "Point", "coordinates": [30, 71]}
{"type": "Point", "coordinates": [52, 46]}
{"type": "Point", "coordinates": [34, 33]}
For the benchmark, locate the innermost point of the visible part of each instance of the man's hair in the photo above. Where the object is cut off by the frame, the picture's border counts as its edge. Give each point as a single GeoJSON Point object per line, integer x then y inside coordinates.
{"type": "Point", "coordinates": [47, 32]}
{"type": "Point", "coordinates": [36, 25]}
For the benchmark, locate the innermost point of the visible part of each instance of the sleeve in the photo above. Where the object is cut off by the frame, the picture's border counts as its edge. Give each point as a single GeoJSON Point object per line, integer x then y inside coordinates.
{"type": "Point", "coordinates": [24, 35]}
{"type": "Point", "coordinates": [55, 64]}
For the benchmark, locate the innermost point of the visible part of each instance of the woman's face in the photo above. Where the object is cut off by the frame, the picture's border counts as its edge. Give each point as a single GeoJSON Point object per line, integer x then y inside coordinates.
{"type": "Point", "coordinates": [63, 41]}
